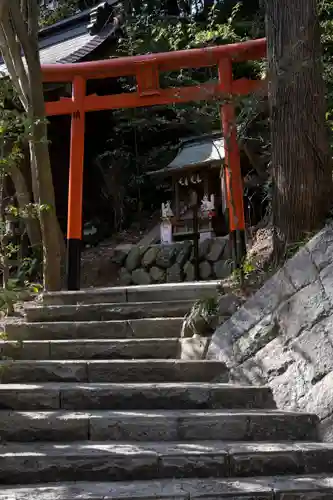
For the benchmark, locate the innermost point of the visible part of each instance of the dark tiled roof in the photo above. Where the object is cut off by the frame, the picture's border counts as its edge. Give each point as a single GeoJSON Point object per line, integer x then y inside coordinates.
{"type": "Point", "coordinates": [207, 150]}
{"type": "Point", "coordinates": [199, 152]}
{"type": "Point", "coordinates": [69, 41]}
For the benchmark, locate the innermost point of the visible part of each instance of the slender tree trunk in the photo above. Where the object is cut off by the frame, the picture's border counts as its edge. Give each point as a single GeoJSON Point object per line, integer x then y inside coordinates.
{"type": "Point", "coordinates": [301, 160]}
{"type": "Point", "coordinates": [54, 249]}
{"type": "Point", "coordinates": [41, 169]}
{"type": "Point", "coordinates": [19, 33]}
{"type": "Point", "coordinates": [23, 199]}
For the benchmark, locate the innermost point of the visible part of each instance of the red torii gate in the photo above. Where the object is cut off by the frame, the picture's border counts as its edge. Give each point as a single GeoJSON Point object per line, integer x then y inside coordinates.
{"type": "Point", "coordinates": [146, 69]}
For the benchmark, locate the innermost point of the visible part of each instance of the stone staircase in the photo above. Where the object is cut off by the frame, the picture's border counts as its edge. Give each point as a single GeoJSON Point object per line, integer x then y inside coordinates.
{"type": "Point", "coordinates": [95, 404]}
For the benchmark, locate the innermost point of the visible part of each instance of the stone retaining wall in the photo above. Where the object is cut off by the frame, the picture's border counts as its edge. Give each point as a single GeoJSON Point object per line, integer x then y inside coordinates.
{"type": "Point", "coordinates": [283, 335]}
{"type": "Point", "coordinates": [173, 263]}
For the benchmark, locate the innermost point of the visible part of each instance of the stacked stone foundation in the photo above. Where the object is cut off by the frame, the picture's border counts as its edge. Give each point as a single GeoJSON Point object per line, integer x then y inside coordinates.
{"type": "Point", "coordinates": [173, 263]}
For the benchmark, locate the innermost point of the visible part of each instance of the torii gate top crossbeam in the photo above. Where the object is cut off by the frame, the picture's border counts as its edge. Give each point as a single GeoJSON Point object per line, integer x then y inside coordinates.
{"type": "Point", "coordinates": [147, 70]}
{"type": "Point", "coordinates": [166, 61]}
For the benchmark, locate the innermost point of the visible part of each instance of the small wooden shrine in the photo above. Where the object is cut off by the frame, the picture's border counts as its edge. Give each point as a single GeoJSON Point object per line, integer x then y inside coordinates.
{"type": "Point", "coordinates": [198, 203]}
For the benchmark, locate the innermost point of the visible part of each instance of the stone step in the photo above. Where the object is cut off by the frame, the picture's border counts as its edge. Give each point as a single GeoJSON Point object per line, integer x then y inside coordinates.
{"type": "Point", "coordinates": [91, 349]}
{"type": "Point", "coordinates": [101, 461]}
{"type": "Point", "coordinates": [158, 425]}
{"type": "Point", "coordinates": [80, 396]}
{"type": "Point", "coordinates": [135, 328]}
{"type": "Point", "coordinates": [139, 370]}
{"type": "Point", "coordinates": [162, 292]}
{"type": "Point", "coordinates": [305, 487]}
{"type": "Point", "coordinates": [103, 312]}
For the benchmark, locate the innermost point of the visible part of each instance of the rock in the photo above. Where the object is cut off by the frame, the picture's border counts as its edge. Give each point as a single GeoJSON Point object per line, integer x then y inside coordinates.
{"type": "Point", "coordinates": [292, 384]}
{"type": "Point", "coordinates": [184, 253]}
{"type": "Point", "coordinates": [205, 270]}
{"type": "Point", "coordinates": [256, 339]}
{"type": "Point", "coordinates": [133, 259]}
{"type": "Point", "coordinates": [143, 249]}
{"type": "Point", "coordinates": [194, 348]}
{"type": "Point", "coordinates": [222, 269]}
{"type": "Point", "coordinates": [195, 324]}
{"type": "Point", "coordinates": [141, 277]}
{"type": "Point", "coordinates": [282, 336]}
{"type": "Point", "coordinates": [305, 308]}
{"type": "Point", "coordinates": [120, 255]}
{"type": "Point", "coordinates": [166, 256]}
{"type": "Point", "coordinates": [228, 304]}
{"type": "Point", "coordinates": [301, 270]}
{"type": "Point", "coordinates": [150, 256]}
{"type": "Point", "coordinates": [125, 278]}
{"type": "Point", "coordinates": [321, 248]}
{"type": "Point", "coordinates": [204, 247]}
{"type": "Point", "coordinates": [216, 249]}
{"type": "Point", "coordinates": [326, 429]}
{"type": "Point", "coordinates": [319, 399]}
{"type": "Point", "coordinates": [175, 274]}
{"type": "Point", "coordinates": [227, 252]}
{"type": "Point", "coordinates": [315, 347]}
{"type": "Point", "coordinates": [201, 319]}
{"type": "Point", "coordinates": [222, 346]}
{"type": "Point", "coordinates": [327, 282]}
{"type": "Point", "coordinates": [157, 275]}
{"type": "Point", "coordinates": [189, 271]}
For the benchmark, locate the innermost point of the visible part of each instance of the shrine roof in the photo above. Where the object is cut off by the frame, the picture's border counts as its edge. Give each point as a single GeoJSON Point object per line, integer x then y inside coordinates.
{"type": "Point", "coordinates": [197, 152]}
{"type": "Point", "coordinates": [73, 39]}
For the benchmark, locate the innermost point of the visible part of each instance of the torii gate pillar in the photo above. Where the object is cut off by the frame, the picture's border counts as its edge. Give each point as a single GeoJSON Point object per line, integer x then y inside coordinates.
{"type": "Point", "coordinates": [75, 188]}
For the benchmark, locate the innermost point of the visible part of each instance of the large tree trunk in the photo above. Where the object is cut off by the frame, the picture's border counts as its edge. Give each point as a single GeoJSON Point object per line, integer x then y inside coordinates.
{"type": "Point", "coordinates": [301, 161]}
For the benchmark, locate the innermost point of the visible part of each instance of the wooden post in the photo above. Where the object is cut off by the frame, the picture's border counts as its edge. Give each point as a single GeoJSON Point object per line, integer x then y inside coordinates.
{"type": "Point", "coordinates": [233, 174]}
{"type": "Point", "coordinates": [177, 198]}
{"type": "Point", "coordinates": [75, 190]}
{"type": "Point", "coordinates": [196, 236]}
{"type": "Point", "coordinates": [206, 183]}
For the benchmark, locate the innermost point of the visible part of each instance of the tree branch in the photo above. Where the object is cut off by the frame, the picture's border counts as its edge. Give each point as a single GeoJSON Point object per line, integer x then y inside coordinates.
{"type": "Point", "coordinates": [15, 68]}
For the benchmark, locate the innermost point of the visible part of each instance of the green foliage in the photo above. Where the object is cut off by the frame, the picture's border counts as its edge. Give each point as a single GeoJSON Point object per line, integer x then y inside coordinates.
{"type": "Point", "coordinates": [326, 17]}
{"type": "Point", "coordinates": [12, 126]}
{"type": "Point", "coordinates": [16, 291]}
{"type": "Point", "coordinates": [148, 31]}
{"type": "Point", "coordinates": [243, 273]}
{"type": "Point", "coordinates": [28, 270]}
{"type": "Point", "coordinates": [297, 245]}
{"type": "Point", "coordinates": [14, 132]}
{"type": "Point", "coordinates": [9, 296]}
{"type": "Point", "coordinates": [206, 307]}
{"type": "Point", "coordinates": [155, 33]}
{"type": "Point", "coordinates": [146, 139]}
{"type": "Point", "coordinates": [66, 8]}
{"type": "Point", "coordinates": [202, 318]}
